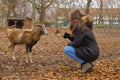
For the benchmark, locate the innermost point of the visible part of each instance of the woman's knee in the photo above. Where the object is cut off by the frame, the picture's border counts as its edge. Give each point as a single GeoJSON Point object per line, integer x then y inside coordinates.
{"type": "Point", "coordinates": [68, 49]}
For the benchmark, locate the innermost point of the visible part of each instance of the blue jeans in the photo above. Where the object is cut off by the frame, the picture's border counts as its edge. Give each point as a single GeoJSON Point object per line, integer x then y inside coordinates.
{"type": "Point", "coordinates": [70, 51]}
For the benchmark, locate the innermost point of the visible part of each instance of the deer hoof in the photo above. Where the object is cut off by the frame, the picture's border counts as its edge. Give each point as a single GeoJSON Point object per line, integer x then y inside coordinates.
{"type": "Point", "coordinates": [31, 61]}
{"type": "Point", "coordinates": [14, 58]}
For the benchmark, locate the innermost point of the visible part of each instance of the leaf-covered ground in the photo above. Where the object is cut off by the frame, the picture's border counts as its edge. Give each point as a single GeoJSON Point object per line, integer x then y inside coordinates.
{"type": "Point", "coordinates": [50, 62]}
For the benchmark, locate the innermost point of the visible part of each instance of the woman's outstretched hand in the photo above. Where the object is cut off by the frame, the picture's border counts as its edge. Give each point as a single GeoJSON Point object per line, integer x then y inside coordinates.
{"type": "Point", "coordinates": [66, 35]}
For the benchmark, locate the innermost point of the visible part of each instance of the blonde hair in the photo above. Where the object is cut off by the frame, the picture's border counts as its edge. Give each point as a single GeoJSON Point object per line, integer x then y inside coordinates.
{"type": "Point", "coordinates": [88, 20]}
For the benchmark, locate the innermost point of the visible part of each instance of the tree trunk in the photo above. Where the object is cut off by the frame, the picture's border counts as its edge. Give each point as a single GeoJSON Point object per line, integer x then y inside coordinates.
{"type": "Point", "coordinates": [100, 12]}
{"type": "Point", "coordinates": [88, 6]}
{"type": "Point", "coordinates": [8, 12]}
{"type": "Point", "coordinates": [33, 10]}
{"type": "Point", "coordinates": [14, 12]}
{"type": "Point", "coordinates": [42, 15]}
{"type": "Point", "coordinates": [11, 10]}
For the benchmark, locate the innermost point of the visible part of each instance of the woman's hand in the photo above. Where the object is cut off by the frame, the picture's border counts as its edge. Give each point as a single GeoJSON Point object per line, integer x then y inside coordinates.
{"type": "Point", "coordinates": [66, 35]}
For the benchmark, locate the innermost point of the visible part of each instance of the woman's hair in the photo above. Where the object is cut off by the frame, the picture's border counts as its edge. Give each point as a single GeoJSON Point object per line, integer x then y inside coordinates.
{"type": "Point", "coordinates": [76, 20]}
{"type": "Point", "coordinates": [88, 20]}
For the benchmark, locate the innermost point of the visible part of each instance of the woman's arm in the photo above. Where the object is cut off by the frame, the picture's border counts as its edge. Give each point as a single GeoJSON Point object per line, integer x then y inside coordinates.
{"type": "Point", "coordinates": [77, 41]}
{"type": "Point", "coordinates": [69, 36]}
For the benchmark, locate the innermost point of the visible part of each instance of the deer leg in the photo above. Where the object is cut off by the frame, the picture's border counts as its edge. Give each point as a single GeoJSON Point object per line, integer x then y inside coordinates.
{"type": "Point", "coordinates": [27, 48]}
{"type": "Point", "coordinates": [11, 47]}
{"type": "Point", "coordinates": [26, 54]}
{"type": "Point", "coordinates": [13, 56]}
{"type": "Point", "coordinates": [31, 61]}
{"type": "Point", "coordinates": [30, 50]}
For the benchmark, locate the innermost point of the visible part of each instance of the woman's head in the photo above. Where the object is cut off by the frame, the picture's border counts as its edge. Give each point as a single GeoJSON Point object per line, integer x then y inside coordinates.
{"type": "Point", "coordinates": [76, 20]}
{"type": "Point", "coordinates": [76, 14]}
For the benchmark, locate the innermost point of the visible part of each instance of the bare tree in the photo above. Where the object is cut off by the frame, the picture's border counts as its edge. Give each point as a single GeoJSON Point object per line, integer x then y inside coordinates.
{"type": "Point", "coordinates": [88, 6]}
{"type": "Point", "coordinates": [41, 6]}
{"type": "Point", "coordinates": [11, 7]}
{"type": "Point", "coordinates": [100, 12]}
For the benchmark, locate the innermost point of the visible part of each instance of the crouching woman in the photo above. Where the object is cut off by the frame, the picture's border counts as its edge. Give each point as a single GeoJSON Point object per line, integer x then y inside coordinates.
{"type": "Point", "coordinates": [83, 46]}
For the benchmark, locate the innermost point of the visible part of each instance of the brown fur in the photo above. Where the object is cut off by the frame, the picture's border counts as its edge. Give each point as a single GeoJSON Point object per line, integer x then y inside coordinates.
{"type": "Point", "coordinates": [76, 20]}
{"type": "Point", "coordinates": [27, 23]}
{"type": "Point", "coordinates": [24, 36]}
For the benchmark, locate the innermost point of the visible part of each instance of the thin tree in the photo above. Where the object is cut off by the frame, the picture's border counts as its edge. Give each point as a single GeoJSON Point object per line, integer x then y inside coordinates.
{"type": "Point", "coordinates": [41, 6]}
{"type": "Point", "coordinates": [88, 6]}
{"type": "Point", "coordinates": [101, 12]}
{"type": "Point", "coordinates": [11, 7]}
